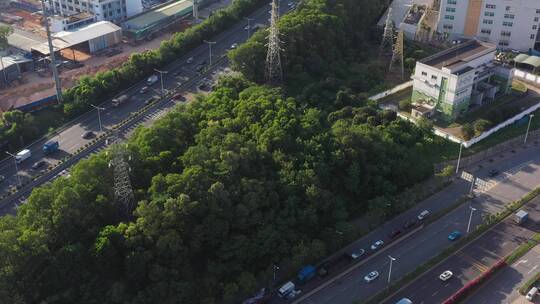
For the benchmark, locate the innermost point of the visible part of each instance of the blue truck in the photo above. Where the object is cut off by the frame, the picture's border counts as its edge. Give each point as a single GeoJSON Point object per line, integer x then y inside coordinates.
{"type": "Point", "coordinates": [51, 147]}
{"type": "Point", "coordinates": [305, 274]}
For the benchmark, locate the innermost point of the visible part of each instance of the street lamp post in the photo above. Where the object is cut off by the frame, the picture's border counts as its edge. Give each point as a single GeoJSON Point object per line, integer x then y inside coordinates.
{"type": "Point", "coordinates": [99, 116]}
{"type": "Point", "coordinates": [275, 268]}
{"type": "Point", "coordinates": [459, 157]}
{"type": "Point", "coordinates": [248, 26]}
{"type": "Point", "coordinates": [16, 168]}
{"type": "Point", "coordinates": [528, 127]}
{"type": "Point", "coordinates": [161, 78]}
{"type": "Point", "coordinates": [470, 218]}
{"type": "Point", "coordinates": [390, 270]}
{"type": "Point", "coordinates": [210, 49]}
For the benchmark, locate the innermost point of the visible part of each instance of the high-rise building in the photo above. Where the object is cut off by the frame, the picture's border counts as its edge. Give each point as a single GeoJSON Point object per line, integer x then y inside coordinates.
{"type": "Point", "coordinates": [509, 24]}
{"type": "Point", "coordinates": [108, 10]}
{"type": "Point", "coordinates": [4, 3]}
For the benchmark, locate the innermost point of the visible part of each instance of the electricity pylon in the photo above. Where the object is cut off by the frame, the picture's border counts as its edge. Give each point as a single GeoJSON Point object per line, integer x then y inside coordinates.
{"type": "Point", "coordinates": [397, 55]}
{"type": "Point", "coordinates": [388, 35]}
{"type": "Point", "coordinates": [123, 192]}
{"type": "Point", "coordinates": [274, 73]}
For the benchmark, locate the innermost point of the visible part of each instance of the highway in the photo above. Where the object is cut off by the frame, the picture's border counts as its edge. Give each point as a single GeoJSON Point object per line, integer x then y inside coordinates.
{"type": "Point", "coordinates": [520, 173]}
{"type": "Point", "coordinates": [70, 137]}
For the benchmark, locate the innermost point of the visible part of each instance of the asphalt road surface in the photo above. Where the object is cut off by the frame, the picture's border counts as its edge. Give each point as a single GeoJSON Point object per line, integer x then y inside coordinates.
{"type": "Point", "coordinates": [178, 72]}
{"type": "Point", "coordinates": [520, 173]}
{"type": "Point", "coordinates": [503, 288]}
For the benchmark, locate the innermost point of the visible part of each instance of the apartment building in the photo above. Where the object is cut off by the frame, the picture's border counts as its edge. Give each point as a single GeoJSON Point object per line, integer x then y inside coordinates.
{"type": "Point", "coordinates": [509, 24]}
{"type": "Point", "coordinates": [450, 81]}
{"type": "Point", "coordinates": [104, 10]}
{"type": "Point", "coordinates": [4, 3]}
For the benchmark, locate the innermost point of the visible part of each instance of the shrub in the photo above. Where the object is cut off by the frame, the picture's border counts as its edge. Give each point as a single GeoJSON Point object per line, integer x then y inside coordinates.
{"type": "Point", "coordinates": [482, 125]}
{"type": "Point", "coordinates": [405, 105]}
{"type": "Point", "coordinates": [467, 131]}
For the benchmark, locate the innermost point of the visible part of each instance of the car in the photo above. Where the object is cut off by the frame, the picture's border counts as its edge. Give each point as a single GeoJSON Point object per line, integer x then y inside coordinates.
{"type": "Point", "coordinates": [445, 275]}
{"type": "Point", "coordinates": [323, 270]}
{"type": "Point", "coordinates": [88, 135]}
{"type": "Point", "coordinates": [409, 224]}
{"type": "Point", "coordinates": [454, 235]}
{"type": "Point", "coordinates": [179, 97]}
{"type": "Point", "coordinates": [246, 27]}
{"type": "Point", "coordinates": [371, 276]}
{"type": "Point", "coordinates": [37, 165]}
{"type": "Point", "coordinates": [143, 90]}
{"type": "Point", "coordinates": [234, 45]}
{"type": "Point", "coordinates": [190, 60]}
{"type": "Point", "coordinates": [376, 245]}
{"type": "Point", "coordinates": [204, 87]}
{"type": "Point", "coordinates": [355, 255]}
{"type": "Point", "coordinates": [493, 172]}
{"type": "Point", "coordinates": [423, 215]}
{"type": "Point", "coordinates": [532, 293]}
{"type": "Point", "coordinates": [200, 67]}
{"type": "Point", "coordinates": [394, 233]}
{"type": "Point", "coordinates": [2, 178]}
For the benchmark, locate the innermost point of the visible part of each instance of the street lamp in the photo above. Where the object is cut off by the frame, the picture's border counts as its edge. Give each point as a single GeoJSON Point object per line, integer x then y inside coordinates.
{"type": "Point", "coordinates": [210, 49]}
{"type": "Point", "coordinates": [161, 78]}
{"type": "Point", "coordinates": [99, 116]}
{"type": "Point", "coordinates": [528, 127]}
{"type": "Point", "coordinates": [16, 168]}
{"type": "Point", "coordinates": [248, 26]}
{"type": "Point", "coordinates": [275, 268]}
{"type": "Point", "coordinates": [470, 218]}
{"type": "Point", "coordinates": [459, 156]}
{"type": "Point", "coordinates": [390, 270]}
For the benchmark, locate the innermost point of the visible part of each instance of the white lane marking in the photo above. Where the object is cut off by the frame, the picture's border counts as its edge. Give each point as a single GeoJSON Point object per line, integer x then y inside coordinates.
{"type": "Point", "coordinates": [532, 269]}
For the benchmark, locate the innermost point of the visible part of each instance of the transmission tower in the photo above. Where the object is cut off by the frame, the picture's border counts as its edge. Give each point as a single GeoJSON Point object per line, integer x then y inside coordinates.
{"type": "Point", "coordinates": [274, 73]}
{"type": "Point", "coordinates": [388, 35]}
{"type": "Point", "coordinates": [123, 192]}
{"type": "Point", "coordinates": [397, 55]}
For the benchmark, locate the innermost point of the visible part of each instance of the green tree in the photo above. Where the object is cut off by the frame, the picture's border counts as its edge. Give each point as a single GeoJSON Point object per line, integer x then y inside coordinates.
{"type": "Point", "coordinates": [467, 131]}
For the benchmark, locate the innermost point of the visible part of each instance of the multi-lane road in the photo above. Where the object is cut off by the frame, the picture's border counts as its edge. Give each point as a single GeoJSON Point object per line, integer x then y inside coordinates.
{"type": "Point", "coordinates": [520, 173]}
{"type": "Point", "coordinates": [178, 73]}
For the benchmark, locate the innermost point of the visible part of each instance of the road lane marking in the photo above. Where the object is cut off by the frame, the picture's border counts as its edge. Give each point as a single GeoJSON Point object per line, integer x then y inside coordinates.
{"type": "Point", "coordinates": [532, 269]}
{"type": "Point", "coordinates": [475, 263]}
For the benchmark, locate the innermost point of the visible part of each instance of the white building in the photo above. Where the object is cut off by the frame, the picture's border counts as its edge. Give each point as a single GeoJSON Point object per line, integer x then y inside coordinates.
{"type": "Point", "coordinates": [450, 81]}
{"type": "Point", "coordinates": [509, 24]}
{"type": "Point", "coordinates": [109, 10]}
{"type": "Point", "coordinates": [66, 23]}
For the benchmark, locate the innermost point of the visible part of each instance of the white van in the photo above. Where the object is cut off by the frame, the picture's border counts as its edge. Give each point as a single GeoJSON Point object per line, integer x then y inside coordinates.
{"type": "Point", "coordinates": [286, 289]}
{"type": "Point", "coordinates": [22, 155]}
{"type": "Point", "coordinates": [530, 295]}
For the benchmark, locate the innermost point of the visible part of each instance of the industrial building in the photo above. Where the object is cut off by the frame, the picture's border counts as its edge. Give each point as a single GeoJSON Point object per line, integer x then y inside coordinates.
{"type": "Point", "coordinates": [509, 24]}
{"type": "Point", "coordinates": [109, 10]}
{"type": "Point", "coordinates": [146, 24]}
{"type": "Point", "coordinates": [12, 66]}
{"type": "Point", "coordinates": [88, 39]}
{"type": "Point", "coordinates": [451, 81]}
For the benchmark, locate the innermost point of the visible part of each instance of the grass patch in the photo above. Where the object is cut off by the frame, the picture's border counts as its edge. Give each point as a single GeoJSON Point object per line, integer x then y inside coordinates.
{"type": "Point", "coordinates": [523, 249]}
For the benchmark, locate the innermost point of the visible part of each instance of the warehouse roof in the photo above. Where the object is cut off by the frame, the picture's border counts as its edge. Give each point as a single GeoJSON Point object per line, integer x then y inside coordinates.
{"type": "Point", "coordinates": [532, 61]}
{"type": "Point", "coordinates": [146, 19]}
{"type": "Point", "coordinates": [521, 57]}
{"type": "Point", "coordinates": [66, 39]}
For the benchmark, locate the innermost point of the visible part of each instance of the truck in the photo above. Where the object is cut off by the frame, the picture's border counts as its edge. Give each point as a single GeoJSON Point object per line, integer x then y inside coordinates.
{"type": "Point", "coordinates": [118, 101]}
{"type": "Point", "coordinates": [151, 80]}
{"type": "Point", "coordinates": [50, 147]}
{"type": "Point", "coordinates": [305, 274]}
{"type": "Point", "coordinates": [520, 217]}
{"type": "Point", "coordinates": [286, 289]}
{"type": "Point", "coordinates": [22, 156]}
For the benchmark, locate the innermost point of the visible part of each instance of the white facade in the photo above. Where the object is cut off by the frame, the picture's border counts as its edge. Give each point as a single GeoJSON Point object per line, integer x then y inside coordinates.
{"type": "Point", "coordinates": [104, 10]}
{"type": "Point", "coordinates": [509, 24]}
{"type": "Point", "coordinates": [60, 23]}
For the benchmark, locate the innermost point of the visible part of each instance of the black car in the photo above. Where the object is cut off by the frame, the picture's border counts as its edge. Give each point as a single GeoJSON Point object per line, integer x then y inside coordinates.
{"type": "Point", "coordinates": [409, 224]}
{"type": "Point", "coordinates": [394, 233]}
{"type": "Point", "coordinates": [37, 165]}
{"type": "Point", "coordinates": [88, 134]}
{"type": "Point", "coordinates": [493, 173]}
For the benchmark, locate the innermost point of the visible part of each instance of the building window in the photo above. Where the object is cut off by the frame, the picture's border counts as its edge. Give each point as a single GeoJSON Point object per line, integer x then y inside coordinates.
{"type": "Point", "coordinates": [507, 8]}
{"type": "Point", "coordinates": [451, 1]}
{"type": "Point", "coordinates": [507, 23]}
{"type": "Point", "coordinates": [434, 77]}
{"type": "Point", "coordinates": [506, 34]}
{"type": "Point", "coordinates": [492, 6]}
{"type": "Point", "coordinates": [485, 31]}
{"type": "Point", "coordinates": [451, 9]}
{"type": "Point", "coordinates": [448, 26]}
{"type": "Point", "coordinates": [448, 17]}
{"type": "Point", "coordinates": [486, 21]}
{"type": "Point", "coordinates": [489, 14]}
{"type": "Point", "coordinates": [532, 36]}
{"type": "Point", "coordinates": [508, 16]}
{"type": "Point", "coordinates": [503, 43]}
{"type": "Point", "coordinates": [538, 11]}
{"type": "Point", "coordinates": [424, 74]}
{"type": "Point", "coordinates": [535, 19]}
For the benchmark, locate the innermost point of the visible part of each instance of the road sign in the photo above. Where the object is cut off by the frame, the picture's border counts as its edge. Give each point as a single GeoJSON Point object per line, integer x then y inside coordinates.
{"type": "Point", "coordinates": [467, 176]}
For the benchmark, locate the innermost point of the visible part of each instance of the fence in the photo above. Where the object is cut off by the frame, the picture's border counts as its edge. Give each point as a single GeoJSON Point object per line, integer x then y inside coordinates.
{"type": "Point", "coordinates": [392, 90]}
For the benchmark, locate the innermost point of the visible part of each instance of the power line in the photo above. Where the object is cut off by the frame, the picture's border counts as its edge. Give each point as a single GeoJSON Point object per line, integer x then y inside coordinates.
{"type": "Point", "coordinates": [274, 72]}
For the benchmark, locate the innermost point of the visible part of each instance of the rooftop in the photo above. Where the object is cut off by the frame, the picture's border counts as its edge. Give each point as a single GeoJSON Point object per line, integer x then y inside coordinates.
{"type": "Point", "coordinates": [459, 54]}
{"type": "Point", "coordinates": [75, 17]}
{"type": "Point", "coordinates": [148, 18]}
{"type": "Point", "coordinates": [414, 14]}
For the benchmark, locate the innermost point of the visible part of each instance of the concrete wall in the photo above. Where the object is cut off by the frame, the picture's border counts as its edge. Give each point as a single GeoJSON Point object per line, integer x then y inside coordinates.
{"type": "Point", "coordinates": [392, 90]}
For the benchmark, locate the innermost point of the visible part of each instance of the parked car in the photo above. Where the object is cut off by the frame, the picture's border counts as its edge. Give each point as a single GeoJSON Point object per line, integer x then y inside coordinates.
{"type": "Point", "coordinates": [234, 45]}
{"type": "Point", "coordinates": [493, 172]}
{"type": "Point", "coordinates": [409, 224]}
{"type": "Point", "coordinates": [179, 97]}
{"type": "Point", "coordinates": [376, 245]}
{"type": "Point", "coordinates": [445, 275]}
{"type": "Point", "coordinates": [394, 233]}
{"type": "Point", "coordinates": [88, 135]}
{"type": "Point", "coordinates": [371, 276]}
{"type": "Point", "coordinates": [2, 178]}
{"type": "Point", "coordinates": [355, 255]}
{"type": "Point", "coordinates": [423, 215]}
{"type": "Point", "coordinates": [454, 235]}
{"type": "Point", "coordinates": [190, 60]}
{"type": "Point", "coordinates": [38, 165]}
{"type": "Point", "coordinates": [143, 90]}
{"type": "Point", "coordinates": [532, 293]}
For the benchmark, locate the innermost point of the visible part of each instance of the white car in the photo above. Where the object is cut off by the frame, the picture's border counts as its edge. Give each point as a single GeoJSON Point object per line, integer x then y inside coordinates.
{"type": "Point", "coordinates": [446, 275]}
{"type": "Point", "coordinates": [423, 215]}
{"type": "Point", "coordinates": [377, 244]}
{"type": "Point", "coordinates": [189, 60]}
{"type": "Point", "coordinates": [371, 276]}
{"type": "Point", "coordinates": [357, 254]}
{"type": "Point", "coordinates": [234, 45]}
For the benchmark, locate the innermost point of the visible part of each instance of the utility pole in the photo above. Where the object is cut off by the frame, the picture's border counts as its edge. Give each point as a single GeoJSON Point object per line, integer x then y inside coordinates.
{"type": "Point", "coordinates": [390, 270]}
{"type": "Point", "coordinates": [16, 168]}
{"type": "Point", "coordinates": [459, 157]}
{"type": "Point", "coordinates": [99, 116]}
{"type": "Point", "coordinates": [161, 78]}
{"type": "Point", "coordinates": [470, 218]}
{"type": "Point", "coordinates": [274, 72]}
{"type": "Point", "coordinates": [528, 127]}
{"type": "Point", "coordinates": [210, 49]}
{"type": "Point", "coordinates": [51, 54]}
{"type": "Point", "coordinates": [248, 26]}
